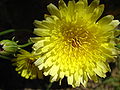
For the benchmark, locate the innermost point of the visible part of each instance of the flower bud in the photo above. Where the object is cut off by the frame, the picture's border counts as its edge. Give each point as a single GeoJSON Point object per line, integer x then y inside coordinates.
{"type": "Point", "coordinates": [8, 47]}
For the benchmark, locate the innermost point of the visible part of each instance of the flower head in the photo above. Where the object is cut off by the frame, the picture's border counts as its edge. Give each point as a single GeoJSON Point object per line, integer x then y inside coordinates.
{"type": "Point", "coordinates": [73, 43]}
{"type": "Point", "coordinates": [25, 65]}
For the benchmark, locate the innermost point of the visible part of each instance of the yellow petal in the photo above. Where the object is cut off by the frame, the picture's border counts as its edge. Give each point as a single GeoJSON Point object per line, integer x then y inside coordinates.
{"type": "Point", "coordinates": [80, 10]}
{"type": "Point", "coordinates": [36, 39]}
{"type": "Point", "coordinates": [54, 70]}
{"type": "Point", "coordinates": [42, 32]}
{"type": "Point", "coordinates": [102, 66]}
{"type": "Point", "coordinates": [39, 24]}
{"type": "Point", "coordinates": [54, 78]}
{"type": "Point", "coordinates": [63, 8]}
{"type": "Point", "coordinates": [62, 5]}
{"type": "Point", "coordinates": [114, 23]}
{"type": "Point", "coordinates": [99, 72]}
{"type": "Point", "coordinates": [41, 66]}
{"type": "Point", "coordinates": [24, 72]}
{"type": "Point", "coordinates": [77, 79]}
{"type": "Point", "coordinates": [93, 5]}
{"type": "Point", "coordinates": [97, 13]}
{"type": "Point", "coordinates": [106, 20]}
{"type": "Point", "coordinates": [61, 75]}
{"type": "Point", "coordinates": [94, 78]}
{"type": "Point", "coordinates": [85, 2]}
{"type": "Point", "coordinates": [38, 45]}
{"type": "Point", "coordinates": [53, 10]}
{"type": "Point", "coordinates": [39, 61]}
{"type": "Point", "coordinates": [79, 6]}
{"type": "Point", "coordinates": [71, 8]}
{"type": "Point", "coordinates": [70, 80]}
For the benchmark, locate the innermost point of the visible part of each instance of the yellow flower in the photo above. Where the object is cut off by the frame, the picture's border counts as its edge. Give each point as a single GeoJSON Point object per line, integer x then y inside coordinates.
{"type": "Point", "coordinates": [25, 65]}
{"type": "Point", "coordinates": [74, 43]}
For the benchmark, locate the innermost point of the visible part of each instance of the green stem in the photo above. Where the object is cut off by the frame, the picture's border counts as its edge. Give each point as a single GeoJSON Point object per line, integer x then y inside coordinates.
{"type": "Point", "coordinates": [6, 31]}
{"type": "Point", "coordinates": [25, 45]}
{"type": "Point", "coordinates": [49, 86]}
{"type": "Point", "coordinates": [4, 57]}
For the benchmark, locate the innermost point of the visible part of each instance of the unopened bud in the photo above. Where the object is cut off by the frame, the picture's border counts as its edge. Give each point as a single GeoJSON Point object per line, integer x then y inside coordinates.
{"type": "Point", "coordinates": [8, 47]}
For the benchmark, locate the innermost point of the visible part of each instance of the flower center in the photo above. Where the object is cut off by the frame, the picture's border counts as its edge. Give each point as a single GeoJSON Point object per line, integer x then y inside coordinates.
{"type": "Point", "coordinates": [75, 35]}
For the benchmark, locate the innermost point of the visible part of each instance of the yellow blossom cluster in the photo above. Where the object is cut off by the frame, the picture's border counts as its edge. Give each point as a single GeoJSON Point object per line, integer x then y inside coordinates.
{"type": "Point", "coordinates": [74, 42]}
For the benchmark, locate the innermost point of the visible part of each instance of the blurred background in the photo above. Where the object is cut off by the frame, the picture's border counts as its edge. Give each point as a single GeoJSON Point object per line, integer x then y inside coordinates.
{"type": "Point", "coordinates": [20, 15]}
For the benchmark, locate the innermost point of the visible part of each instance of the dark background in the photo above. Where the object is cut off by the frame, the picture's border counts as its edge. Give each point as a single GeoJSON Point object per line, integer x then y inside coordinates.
{"type": "Point", "coordinates": [20, 15]}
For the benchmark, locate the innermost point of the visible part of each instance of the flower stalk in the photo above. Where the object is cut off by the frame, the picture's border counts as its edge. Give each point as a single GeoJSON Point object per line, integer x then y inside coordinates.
{"type": "Point", "coordinates": [6, 32]}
